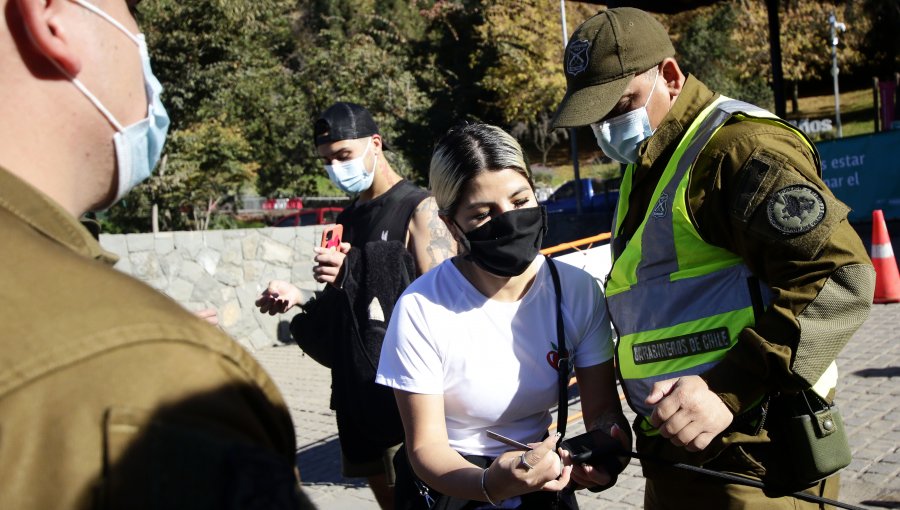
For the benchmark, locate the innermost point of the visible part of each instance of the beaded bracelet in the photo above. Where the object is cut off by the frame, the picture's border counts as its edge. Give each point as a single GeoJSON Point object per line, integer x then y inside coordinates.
{"type": "Point", "coordinates": [484, 488]}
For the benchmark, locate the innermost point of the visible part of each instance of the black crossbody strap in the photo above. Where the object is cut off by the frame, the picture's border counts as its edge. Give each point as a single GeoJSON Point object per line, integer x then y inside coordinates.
{"type": "Point", "coordinates": [563, 351]}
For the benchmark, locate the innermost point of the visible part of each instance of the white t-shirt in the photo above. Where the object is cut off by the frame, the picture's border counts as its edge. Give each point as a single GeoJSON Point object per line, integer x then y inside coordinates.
{"type": "Point", "coordinates": [490, 359]}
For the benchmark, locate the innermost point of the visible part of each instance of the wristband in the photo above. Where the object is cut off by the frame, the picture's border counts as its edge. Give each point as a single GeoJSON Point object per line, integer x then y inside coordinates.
{"type": "Point", "coordinates": [484, 488]}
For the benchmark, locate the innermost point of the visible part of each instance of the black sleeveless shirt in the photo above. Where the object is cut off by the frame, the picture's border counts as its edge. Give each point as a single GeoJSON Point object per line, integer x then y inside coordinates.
{"type": "Point", "coordinates": [385, 218]}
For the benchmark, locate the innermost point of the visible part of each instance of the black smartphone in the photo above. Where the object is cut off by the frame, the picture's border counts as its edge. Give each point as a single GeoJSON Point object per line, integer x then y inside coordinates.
{"type": "Point", "coordinates": [596, 448]}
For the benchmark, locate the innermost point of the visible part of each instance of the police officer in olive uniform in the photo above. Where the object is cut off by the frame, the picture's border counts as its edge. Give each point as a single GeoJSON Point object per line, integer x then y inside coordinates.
{"type": "Point", "coordinates": [111, 395]}
{"type": "Point", "coordinates": [736, 277]}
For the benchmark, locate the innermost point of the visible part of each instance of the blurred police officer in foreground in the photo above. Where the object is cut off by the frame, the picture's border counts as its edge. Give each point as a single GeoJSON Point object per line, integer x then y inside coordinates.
{"type": "Point", "coordinates": [111, 395]}
{"type": "Point", "coordinates": [736, 279]}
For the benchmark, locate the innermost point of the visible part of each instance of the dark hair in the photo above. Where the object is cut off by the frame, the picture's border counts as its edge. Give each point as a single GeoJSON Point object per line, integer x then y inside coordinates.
{"type": "Point", "coordinates": [466, 151]}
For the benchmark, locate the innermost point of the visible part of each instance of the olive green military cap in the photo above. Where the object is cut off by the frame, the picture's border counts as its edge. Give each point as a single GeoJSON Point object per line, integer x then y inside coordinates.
{"type": "Point", "coordinates": [602, 57]}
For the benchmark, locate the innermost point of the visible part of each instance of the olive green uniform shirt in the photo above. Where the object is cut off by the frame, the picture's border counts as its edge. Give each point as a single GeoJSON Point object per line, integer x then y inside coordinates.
{"type": "Point", "coordinates": [111, 394]}
{"type": "Point", "coordinates": [821, 280]}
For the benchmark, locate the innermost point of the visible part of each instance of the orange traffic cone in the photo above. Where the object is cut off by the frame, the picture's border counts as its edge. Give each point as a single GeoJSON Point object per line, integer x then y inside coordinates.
{"type": "Point", "coordinates": [887, 278]}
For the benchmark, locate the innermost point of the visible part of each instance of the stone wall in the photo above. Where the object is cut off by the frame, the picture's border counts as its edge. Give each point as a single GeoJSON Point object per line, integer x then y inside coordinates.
{"type": "Point", "coordinates": [224, 269]}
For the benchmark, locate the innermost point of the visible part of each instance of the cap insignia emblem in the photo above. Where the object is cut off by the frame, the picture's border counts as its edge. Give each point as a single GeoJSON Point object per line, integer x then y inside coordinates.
{"type": "Point", "coordinates": [577, 60]}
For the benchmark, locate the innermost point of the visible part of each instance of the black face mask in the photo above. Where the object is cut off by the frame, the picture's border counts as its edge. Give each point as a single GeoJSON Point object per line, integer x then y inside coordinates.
{"type": "Point", "coordinates": [506, 245]}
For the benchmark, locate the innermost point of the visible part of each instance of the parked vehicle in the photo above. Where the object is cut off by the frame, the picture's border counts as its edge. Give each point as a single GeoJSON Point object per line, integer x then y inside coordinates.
{"type": "Point", "coordinates": [275, 204]}
{"type": "Point", "coordinates": [598, 206]}
{"type": "Point", "coordinates": [311, 216]}
{"type": "Point", "coordinates": [597, 195]}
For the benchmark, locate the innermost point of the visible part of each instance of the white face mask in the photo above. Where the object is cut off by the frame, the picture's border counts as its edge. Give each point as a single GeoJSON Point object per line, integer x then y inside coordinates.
{"type": "Point", "coordinates": [138, 146]}
{"type": "Point", "coordinates": [621, 136]}
{"type": "Point", "coordinates": [351, 176]}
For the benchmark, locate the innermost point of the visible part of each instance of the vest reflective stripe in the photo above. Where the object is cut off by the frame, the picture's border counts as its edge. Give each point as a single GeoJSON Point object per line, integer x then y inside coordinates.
{"type": "Point", "coordinates": [668, 349]}
{"type": "Point", "coordinates": [626, 271]}
{"type": "Point", "coordinates": [677, 302]}
{"type": "Point", "coordinates": [659, 231]}
{"type": "Point", "coordinates": [664, 312]}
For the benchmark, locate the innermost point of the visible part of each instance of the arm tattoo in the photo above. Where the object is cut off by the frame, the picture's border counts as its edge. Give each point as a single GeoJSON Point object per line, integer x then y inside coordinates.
{"type": "Point", "coordinates": [432, 242]}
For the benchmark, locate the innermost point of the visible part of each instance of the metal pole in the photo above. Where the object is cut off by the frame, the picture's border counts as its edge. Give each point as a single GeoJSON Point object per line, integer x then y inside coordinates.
{"type": "Point", "coordinates": [562, 13]}
{"type": "Point", "coordinates": [772, 7]}
{"type": "Point", "coordinates": [875, 101]}
{"type": "Point", "coordinates": [835, 25]}
{"type": "Point", "coordinates": [576, 173]}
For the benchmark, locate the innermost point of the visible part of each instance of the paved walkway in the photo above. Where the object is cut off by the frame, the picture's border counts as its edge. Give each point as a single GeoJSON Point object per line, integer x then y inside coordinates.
{"type": "Point", "coordinates": [869, 397]}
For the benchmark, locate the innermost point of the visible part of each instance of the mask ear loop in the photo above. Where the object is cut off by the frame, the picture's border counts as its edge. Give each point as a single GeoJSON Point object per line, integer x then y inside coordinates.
{"type": "Point", "coordinates": [374, 163]}
{"type": "Point", "coordinates": [462, 239]}
{"type": "Point", "coordinates": [91, 97]}
{"type": "Point", "coordinates": [80, 86]}
{"type": "Point", "coordinates": [652, 88]}
{"type": "Point", "coordinates": [649, 96]}
{"type": "Point", "coordinates": [96, 10]}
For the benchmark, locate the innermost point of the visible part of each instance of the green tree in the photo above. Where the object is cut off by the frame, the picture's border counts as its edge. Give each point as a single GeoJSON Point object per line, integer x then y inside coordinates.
{"type": "Point", "coordinates": [214, 161]}
{"type": "Point", "coordinates": [881, 43]}
{"type": "Point", "coordinates": [360, 51]}
{"type": "Point", "coordinates": [450, 74]}
{"type": "Point", "coordinates": [521, 41]}
{"type": "Point", "coordinates": [541, 136]}
{"type": "Point", "coordinates": [228, 69]}
{"type": "Point", "coordinates": [205, 165]}
{"type": "Point", "coordinates": [703, 43]}
{"type": "Point", "coordinates": [524, 40]}
{"type": "Point", "coordinates": [805, 39]}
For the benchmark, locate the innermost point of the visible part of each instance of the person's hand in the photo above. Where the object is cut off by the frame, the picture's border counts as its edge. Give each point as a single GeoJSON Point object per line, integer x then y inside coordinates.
{"type": "Point", "coordinates": [687, 412]}
{"type": "Point", "coordinates": [278, 297]}
{"type": "Point", "coordinates": [510, 475]}
{"type": "Point", "coordinates": [585, 475]}
{"type": "Point", "coordinates": [329, 262]}
{"type": "Point", "coordinates": [210, 315]}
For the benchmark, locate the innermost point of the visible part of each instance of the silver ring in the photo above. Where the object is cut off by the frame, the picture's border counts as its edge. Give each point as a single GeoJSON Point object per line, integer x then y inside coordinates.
{"type": "Point", "coordinates": [524, 462]}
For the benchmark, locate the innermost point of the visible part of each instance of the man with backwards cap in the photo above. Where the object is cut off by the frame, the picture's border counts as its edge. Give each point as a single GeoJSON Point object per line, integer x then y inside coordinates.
{"type": "Point", "coordinates": [386, 208]}
{"type": "Point", "coordinates": [736, 275]}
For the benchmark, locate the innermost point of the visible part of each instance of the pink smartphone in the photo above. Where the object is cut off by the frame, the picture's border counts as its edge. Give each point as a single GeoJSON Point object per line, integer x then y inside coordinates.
{"type": "Point", "coordinates": [331, 236]}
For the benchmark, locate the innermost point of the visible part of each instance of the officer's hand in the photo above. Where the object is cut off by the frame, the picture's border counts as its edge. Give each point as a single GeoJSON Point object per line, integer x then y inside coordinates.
{"type": "Point", "coordinates": [278, 297]}
{"type": "Point", "coordinates": [329, 263]}
{"type": "Point", "coordinates": [687, 412]}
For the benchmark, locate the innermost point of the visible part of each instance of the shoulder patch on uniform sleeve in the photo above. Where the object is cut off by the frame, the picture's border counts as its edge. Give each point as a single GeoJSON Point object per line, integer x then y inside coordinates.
{"type": "Point", "coordinates": [758, 175]}
{"type": "Point", "coordinates": [795, 209]}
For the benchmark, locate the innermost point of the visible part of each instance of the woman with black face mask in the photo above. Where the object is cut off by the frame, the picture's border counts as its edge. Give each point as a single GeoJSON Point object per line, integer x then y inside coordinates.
{"type": "Point", "coordinates": [472, 344]}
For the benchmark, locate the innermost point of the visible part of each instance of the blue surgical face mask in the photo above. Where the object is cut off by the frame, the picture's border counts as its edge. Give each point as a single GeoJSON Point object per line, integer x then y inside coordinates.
{"type": "Point", "coordinates": [621, 136]}
{"type": "Point", "coordinates": [138, 146]}
{"type": "Point", "coordinates": [351, 176]}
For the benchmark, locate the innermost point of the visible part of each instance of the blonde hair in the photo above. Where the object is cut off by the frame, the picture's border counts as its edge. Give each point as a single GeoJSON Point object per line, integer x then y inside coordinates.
{"type": "Point", "coordinates": [466, 151]}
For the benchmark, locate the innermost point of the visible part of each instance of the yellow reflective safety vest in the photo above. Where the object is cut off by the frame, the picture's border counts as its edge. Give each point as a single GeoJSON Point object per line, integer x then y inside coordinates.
{"type": "Point", "coordinates": [677, 302]}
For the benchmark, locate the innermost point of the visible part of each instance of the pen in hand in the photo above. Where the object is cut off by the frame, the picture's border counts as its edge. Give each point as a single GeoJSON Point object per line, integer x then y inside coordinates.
{"type": "Point", "coordinates": [507, 441]}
